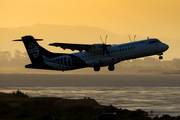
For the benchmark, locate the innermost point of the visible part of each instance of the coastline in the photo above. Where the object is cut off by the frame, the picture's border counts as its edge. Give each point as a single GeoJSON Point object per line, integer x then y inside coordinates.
{"type": "Point", "coordinates": [18, 105]}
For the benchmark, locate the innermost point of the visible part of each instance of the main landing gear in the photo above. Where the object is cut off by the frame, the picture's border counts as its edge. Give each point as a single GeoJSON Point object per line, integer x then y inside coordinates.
{"type": "Point", "coordinates": [110, 68]}
{"type": "Point", "coordinates": [97, 68]}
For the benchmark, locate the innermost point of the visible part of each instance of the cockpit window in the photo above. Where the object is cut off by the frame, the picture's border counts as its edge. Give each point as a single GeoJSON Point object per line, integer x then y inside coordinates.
{"type": "Point", "coordinates": [158, 41]}
{"type": "Point", "coordinates": [154, 41]}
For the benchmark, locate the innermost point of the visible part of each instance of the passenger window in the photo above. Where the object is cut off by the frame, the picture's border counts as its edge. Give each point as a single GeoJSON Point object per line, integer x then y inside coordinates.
{"type": "Point", "coordinates": [61, 60]}
{"type": "Point", "coordinates": [69, 62]}
{"type": "Point", "coordinates": [65, 61]}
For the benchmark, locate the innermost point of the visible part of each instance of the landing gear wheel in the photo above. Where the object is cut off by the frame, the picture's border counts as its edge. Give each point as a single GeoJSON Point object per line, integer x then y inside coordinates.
{"type": "Point", "coordinates": [160, 57]}
{"type": "Point", "coordinates": [97, 68]}
{"type": "Point", "coordinates": [111, 68]}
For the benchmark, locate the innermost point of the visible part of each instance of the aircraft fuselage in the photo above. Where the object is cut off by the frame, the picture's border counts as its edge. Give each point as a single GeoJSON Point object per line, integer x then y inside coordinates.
{"type": "Point", "coordinates": [43, 59]}
{"type": "Point", "coordinates": [117, 54]}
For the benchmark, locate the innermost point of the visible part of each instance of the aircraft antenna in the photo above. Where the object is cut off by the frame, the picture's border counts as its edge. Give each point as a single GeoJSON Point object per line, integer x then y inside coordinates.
{"type": "Point", "coordinates": [130, 38]}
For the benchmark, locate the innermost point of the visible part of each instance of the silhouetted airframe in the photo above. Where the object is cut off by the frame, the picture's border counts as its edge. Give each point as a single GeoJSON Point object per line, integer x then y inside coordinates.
{"type": "Point", "coordinates": [95, 55]}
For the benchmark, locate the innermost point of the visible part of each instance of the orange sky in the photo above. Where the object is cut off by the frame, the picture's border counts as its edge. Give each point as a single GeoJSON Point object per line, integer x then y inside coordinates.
{"type": "Point", "coordinates": [154, 18]}
{"type": "Point", "coordinates": [146, 18]}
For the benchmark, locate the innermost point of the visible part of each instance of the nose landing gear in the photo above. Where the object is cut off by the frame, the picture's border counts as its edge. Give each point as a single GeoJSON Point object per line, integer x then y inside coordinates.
{"type": "Point", "coordinates": [160, 56]}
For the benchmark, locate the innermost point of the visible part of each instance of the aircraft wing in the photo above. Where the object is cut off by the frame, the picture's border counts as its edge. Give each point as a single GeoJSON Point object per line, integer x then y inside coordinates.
{"type": "Point", "coordinates": [73, 47]}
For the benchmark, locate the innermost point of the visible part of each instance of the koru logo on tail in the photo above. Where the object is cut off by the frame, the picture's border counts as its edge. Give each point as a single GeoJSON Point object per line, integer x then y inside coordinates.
{"type": "Point", "coordinates": [33, 49]}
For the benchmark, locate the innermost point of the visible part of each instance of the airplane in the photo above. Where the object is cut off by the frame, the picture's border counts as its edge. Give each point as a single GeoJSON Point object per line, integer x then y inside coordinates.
{"type": "Point", "coordinates": [95, 55]}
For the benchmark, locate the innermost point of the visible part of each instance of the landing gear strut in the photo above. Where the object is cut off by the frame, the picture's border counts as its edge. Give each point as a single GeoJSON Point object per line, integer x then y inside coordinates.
{"type": "Point", "coordinates": [111, 68]}
{"type": "Point", "coordinates": [96, 68]}
{"type": "Point", "coordinates": [160, 56]}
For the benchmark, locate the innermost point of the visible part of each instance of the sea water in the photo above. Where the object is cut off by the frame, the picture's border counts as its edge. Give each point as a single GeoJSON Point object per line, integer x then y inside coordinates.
{"type": "Point", "coordinates": [159, 93]}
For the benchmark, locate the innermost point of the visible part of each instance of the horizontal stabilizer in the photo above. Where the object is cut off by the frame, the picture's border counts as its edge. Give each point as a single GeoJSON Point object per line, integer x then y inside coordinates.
{"type": "Point", "coordinates": [28, 37]}
{"type": "Point", "coordinates": [23, 40]}
{"type": "Point", "coordinates": [36, 65]}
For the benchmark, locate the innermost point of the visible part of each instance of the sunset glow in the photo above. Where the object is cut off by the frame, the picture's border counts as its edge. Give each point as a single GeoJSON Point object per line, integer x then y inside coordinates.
{"type": "Point", "coordinates": [150, 17]}
{"type": "Point", "coordinates": [146, 18]}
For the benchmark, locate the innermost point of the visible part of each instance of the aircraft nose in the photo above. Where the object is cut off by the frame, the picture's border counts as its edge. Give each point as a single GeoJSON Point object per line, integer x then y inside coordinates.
{"type": "Point", "coordinates": [165, 46]}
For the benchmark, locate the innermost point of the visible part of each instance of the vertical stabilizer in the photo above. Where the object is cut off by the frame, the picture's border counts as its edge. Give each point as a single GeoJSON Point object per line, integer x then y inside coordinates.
{"type": "Point", "coordinates": [34, 50]}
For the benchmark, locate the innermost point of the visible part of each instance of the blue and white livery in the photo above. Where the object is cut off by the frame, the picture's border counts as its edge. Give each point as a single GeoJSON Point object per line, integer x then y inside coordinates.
{"type": "Point", "coordinates": [95, 55]}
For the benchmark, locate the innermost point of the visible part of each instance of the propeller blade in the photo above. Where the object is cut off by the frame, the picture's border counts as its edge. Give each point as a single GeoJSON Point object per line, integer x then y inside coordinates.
{"type": "Point", "coordinates": [104, 46]}
{"type": "Point", "coordinates": [130, 38]}
{"type": "Point", "coordinates": [101, 39]}
{"type": "Point", "coordinates": [107, 50]}
{"type": "Point", "coordinates": [103, 49]}
{"type": "Point", "coordinates": [103, 53]}
{"type": "Point", "coordinates": [105, 39]}
{"type": "Point", "coordinates": [134, 37]}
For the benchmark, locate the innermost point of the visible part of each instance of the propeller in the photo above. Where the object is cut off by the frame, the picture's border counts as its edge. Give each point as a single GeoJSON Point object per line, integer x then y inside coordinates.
{"type": "Point", "coordinates": [104, 46]}
{"type": "Point", "coordinates": [130, 38]}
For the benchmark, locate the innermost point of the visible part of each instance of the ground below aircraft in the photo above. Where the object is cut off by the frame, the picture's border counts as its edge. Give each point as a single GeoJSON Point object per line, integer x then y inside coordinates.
{"type": "Point", "coordinates": [95, 55]}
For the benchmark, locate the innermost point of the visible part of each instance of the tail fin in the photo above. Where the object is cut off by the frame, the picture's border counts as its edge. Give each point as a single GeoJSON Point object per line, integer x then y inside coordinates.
{"type": "Point", "coordinates": [34, 50]}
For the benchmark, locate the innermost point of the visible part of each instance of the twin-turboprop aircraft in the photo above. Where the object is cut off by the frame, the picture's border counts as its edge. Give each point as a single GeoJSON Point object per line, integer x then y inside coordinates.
{"type": "Point", "coordinates": [95, 55]}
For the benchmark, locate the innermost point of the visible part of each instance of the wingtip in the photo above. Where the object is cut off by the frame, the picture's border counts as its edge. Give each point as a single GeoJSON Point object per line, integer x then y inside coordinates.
{"type": "Point", "coordinates": [18, 40]}
{"type": "Point", "coordinates": [53, 44]}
